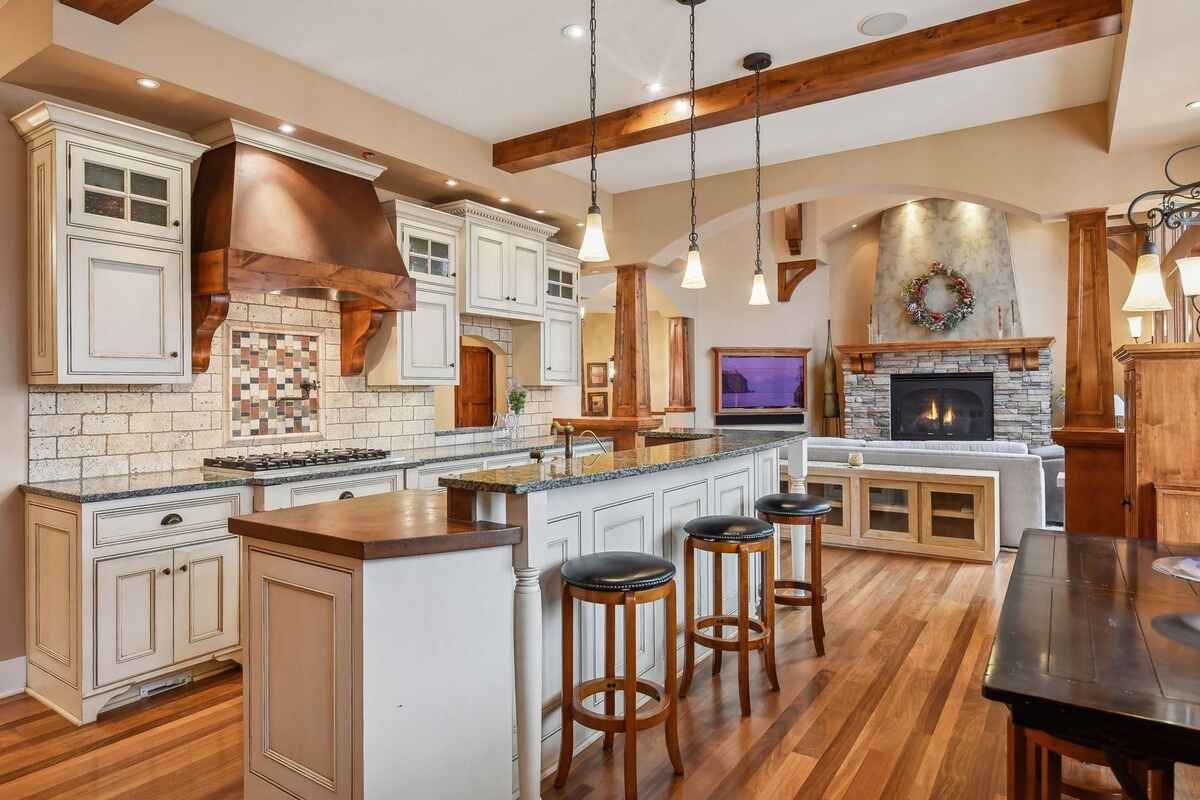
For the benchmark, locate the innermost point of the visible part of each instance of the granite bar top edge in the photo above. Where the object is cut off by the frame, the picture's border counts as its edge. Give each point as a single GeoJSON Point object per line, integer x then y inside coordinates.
{"type": "Point", "coordinates": [743, 441]}
{"type": "Point", "coordinates": [96, 490]}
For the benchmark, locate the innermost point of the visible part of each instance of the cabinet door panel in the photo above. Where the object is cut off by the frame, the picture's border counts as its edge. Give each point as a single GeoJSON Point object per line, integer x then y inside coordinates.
{"type": "Point", "coordinates": [489, 253]}
{"type": "Point", "coordinates": [429, 255]}
{"type": "Point", "coordinates": [121, 193]}
{"type": "Point", "coordinates": [126, 311]}
{"type": "Point", "coordinates": [732, 496]}
{"type": "Point", "coordinates": [52, 580]}
{"type": "Point", "coordinates": [430, 338]}
{"type": "Point", "coordinates": [628, 526]}
{"type": "Point", "coordinates": [427, 477]}
{"type": "Point", "coordinates": [889, 510]}
{"type": "Point", "coordinates": [560, 334]}
{"type": "Point", "coordinates": [206, 598]}
{"type": "Point", "coordinates": [525, 280]}
{"type": "Point", "coordinates": [133, 615]}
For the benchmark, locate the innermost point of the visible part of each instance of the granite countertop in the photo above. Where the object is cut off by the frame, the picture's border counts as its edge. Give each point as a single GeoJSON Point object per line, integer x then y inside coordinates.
{"type": "Point", "coordinates": [708, 445]}
{"type": "Point", "coordinates": [392, 525]}
{"type": "Point", "coordinates": [120, 487]}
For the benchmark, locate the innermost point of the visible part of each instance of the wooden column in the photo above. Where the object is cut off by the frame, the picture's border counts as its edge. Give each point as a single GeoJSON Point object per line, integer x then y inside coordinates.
{"type": "Point", "coordinates": [631, 348]}
{"type": "Point", "coordinates": [681, 379]}
{"type": "Point", "coordinates": [1095, 455]}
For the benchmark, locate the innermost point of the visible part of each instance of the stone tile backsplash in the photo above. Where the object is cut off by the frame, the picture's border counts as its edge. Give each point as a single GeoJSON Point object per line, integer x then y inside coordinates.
{"type": "Point", "coordinates": [92, 431]}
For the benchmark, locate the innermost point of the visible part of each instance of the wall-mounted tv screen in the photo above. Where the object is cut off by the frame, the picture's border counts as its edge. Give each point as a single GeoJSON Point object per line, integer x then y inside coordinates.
{"type": "Point", "coordinates": [752, 383]}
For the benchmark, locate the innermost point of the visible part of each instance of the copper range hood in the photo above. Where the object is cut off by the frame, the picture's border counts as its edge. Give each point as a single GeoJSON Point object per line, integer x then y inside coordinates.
{"type": "Point", "coordinates": [275, 214]}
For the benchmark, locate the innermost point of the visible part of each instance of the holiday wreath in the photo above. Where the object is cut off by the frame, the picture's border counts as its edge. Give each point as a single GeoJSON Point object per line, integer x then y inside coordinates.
{"type": "Point", "coordinates": [937, 321]}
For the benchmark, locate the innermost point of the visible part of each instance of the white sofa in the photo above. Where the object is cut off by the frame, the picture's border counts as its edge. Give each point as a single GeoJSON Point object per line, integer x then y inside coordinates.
{"type": "Point", "coordinates": [1022, 486]}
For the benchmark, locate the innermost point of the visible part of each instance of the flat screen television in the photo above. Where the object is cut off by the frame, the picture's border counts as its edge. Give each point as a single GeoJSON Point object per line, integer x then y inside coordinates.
{"type": "Point", "coordinates": [754, 382]}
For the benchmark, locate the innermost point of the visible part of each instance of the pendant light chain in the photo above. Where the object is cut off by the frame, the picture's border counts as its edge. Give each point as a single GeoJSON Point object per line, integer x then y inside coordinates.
{"type": "Point", "coordinates": [693, 238]}
{"type": "Point", "coordinates": [758, 170]}
{"type": "Point", "coordinates": [592, 74]}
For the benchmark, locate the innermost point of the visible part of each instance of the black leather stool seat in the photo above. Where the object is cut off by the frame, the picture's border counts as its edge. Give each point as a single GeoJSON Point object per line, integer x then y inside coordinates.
{"type": "Point", "coordinates": [725, 528]}
{"type": "Point", "coordinates": [617, 572]}
{"type": "Point", "coordinates": [793, 505]}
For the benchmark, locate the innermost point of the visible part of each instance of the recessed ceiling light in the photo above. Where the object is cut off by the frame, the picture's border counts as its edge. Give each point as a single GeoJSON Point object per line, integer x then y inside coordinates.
{"type": "Point", "coordinates": [451, 182]}
{"type": "Point", "coordinates": [540, 211]}
{"type": "Point", "coordinates": [578, 224]}
{"type": "Point", "coordinates": [854, 226]}
{"type": "Point", "coordinates": [1193, 106]}
{"type": "Point", "coordinates": [655, 87]}
{"type": "Point", "coordinates": [505, 199]}
{"type": "Point", "coordinates": [287, 127]}
{"type": "Point", "coordinates": [573, 31]}
{"type": "Point", "coordinates": [148, 83]}
{"type": "Point", "coordinates": [884, 24]}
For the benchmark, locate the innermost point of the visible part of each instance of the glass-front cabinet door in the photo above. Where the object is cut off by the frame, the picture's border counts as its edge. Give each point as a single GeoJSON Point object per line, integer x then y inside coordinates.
{"type": "Point", "coordinates": [952, 515]}
{"type": "Point", "coordinates": [122, 193]}
{"type": "Point", "coordinates": [561, 282]}
{"type": "Point", "coordinates": [429, 255]}
{"type": "Point", "coordinates": [837, 492]}
{"type": "Point", "coordinates": [889, 510]}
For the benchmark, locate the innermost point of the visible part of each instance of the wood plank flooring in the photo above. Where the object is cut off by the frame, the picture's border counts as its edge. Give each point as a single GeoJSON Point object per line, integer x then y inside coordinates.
{"type": "Point", "coordinates": [892, 711]}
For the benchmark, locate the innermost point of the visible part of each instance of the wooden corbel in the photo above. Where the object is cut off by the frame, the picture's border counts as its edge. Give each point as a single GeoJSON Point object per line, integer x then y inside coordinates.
{"type": "Point", "coordinates": [360, 321]}
{"type": "Point", "coordinates": [793, 228]}
{"type": "Point", "coordinates": [861, 363]}
{"type": "Point", "coordinates": [208, 312]}
{"type": "Point", "coordinates": [1024, 359]}
{"type": "Point", "coordinates": [790, 273]}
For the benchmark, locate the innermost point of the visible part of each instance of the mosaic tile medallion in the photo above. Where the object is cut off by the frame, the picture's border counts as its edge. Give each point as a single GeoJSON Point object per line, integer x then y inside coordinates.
{"type": "Point", "coordinates": [273, 380]}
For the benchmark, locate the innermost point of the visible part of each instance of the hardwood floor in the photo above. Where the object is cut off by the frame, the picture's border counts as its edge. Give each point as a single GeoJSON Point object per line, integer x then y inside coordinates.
{"type": "Point", "coordinates": [892, 711]}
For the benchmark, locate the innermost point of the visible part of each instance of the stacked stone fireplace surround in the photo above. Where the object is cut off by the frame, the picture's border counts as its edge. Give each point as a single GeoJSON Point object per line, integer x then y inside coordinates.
{"type": "Point", "coordinates": [1021, 398]}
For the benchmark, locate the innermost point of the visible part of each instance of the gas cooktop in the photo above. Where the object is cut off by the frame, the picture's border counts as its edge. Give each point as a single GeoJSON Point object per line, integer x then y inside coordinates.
{"type": "Point", "coordinates": [307, 458]}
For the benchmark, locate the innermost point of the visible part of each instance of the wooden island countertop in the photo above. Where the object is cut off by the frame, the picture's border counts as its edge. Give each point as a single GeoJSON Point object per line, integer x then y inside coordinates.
{"type": "Point", "coordinates": [392, 525]}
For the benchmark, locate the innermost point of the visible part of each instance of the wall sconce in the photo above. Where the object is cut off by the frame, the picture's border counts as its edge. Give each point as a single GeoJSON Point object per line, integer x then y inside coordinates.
{"type": "Point", "coordinates": [612, 368]}
{"type": "Point", "coordinates": [1135, 328]}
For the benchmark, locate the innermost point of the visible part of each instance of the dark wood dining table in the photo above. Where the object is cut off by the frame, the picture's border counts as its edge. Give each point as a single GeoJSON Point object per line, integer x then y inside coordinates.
{"type": "Point", "coordinates": [1095, 647]}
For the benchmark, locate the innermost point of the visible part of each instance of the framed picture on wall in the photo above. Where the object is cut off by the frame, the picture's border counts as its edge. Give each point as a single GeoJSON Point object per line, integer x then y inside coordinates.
{"type": "Point", "coordinates": [597, 404]}
{"type": "Point", "coordinates": [597, 374]}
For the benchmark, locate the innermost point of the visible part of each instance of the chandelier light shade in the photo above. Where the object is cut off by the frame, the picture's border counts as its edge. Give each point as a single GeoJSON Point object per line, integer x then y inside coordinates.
{"type": "Point", "coordinates": [1189, 275]}
{"type": "Point", "coordinates": [693, 275]}
{"type": "Point", "coordinates": [758, 289]}
{"type": "Point", "coordinates": [1148, 292]}
{"type": "Point", "coordinates": [593, 248]}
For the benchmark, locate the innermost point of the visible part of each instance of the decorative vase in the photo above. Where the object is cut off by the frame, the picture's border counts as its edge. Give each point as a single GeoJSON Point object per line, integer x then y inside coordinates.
{"type": "Point", "coordinates": [512, 425]}
{"type": "Point", "coordinates": [830, 394]}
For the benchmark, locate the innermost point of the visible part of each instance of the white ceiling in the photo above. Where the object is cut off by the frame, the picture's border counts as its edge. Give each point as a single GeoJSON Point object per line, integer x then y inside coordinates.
{"type": "Point", "coordinates": [498, 70]}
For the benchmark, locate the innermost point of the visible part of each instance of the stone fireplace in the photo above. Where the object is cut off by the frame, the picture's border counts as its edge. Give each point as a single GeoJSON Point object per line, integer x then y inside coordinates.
{"type": "Point", "coordinates": [960, 390]}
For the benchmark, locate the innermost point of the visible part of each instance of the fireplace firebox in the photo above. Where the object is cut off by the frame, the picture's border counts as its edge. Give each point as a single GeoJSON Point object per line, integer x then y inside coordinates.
{"type": "Point", "coordinates": [956, 407]}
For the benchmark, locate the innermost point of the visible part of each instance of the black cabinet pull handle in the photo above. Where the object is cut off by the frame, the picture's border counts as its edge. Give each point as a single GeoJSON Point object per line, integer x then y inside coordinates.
{"type": "Point", "coordinates": [166, 570]}
{"type": "Point", "coordinates": [347, 495]}
{"type": "Point", "coordinates": [171, 519]}
{"type": "Point", "coordinates": [174, 354]}
{"type": "Point", "coordinates": [175, 223]}
{"type": "Point", "coordinates": [183, 568]}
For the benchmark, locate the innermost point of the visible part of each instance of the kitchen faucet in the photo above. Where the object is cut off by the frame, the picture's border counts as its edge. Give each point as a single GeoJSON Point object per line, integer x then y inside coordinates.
{"type": "Point", "coordinates": [568, 432]}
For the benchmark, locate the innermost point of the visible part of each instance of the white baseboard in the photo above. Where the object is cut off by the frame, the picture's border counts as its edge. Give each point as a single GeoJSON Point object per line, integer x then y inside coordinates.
{"type": "Point", "coordinates": [12, 676]}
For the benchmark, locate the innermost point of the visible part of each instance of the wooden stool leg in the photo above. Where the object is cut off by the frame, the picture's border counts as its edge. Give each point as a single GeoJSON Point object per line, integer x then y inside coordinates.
{"type": "Point", "coordinates": [743, 562]}
{"type": "Point", "coordinates": [629, 706]}
{"type": "Point", "coordinates": [567, 740]}
{"type": "Point", "coordinates": [1018, 763]}
{"type": "Point", "coordinates": [768, 607]}
{"type": "Point", "coordinates": [1161, 783]}
{"type": "Point", "coordinates": [818, 589]}
{"type": "Point", "coordinates": [718, 608]}
{"type": "Point", "coordinates": [689, 616]}
{"type": "Point", "coordinates": [1051, 775]}
{"type": "Point", "coordinates": [672, 722]}
{"type": "Point", "coordinates": [610, 667]}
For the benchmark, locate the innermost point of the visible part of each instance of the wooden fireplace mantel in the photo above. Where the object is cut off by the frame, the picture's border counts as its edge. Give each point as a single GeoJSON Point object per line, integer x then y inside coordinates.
{"type": "Point", "coordinates": [1022, 353]}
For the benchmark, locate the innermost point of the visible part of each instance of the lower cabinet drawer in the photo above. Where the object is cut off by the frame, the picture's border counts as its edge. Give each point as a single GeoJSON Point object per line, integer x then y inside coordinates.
{"type": "Point", "coordinates": [345, 489]}
{"type": "Point", "coordinates": [151, 520]}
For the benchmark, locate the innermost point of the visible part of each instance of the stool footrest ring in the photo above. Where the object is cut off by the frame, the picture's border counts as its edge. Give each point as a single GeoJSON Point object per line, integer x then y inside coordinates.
{"type": "Point", "coordinates": [647, 716]}
{"type": "Point", "coordinates": [757, 640]}
{"type": "Point", "coordinates": [805, 599]}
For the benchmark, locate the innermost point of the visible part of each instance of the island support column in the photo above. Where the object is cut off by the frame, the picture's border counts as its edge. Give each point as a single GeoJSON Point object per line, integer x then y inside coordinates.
{"type": "Point", "coordinates": [797, 459]}
{"type": "Point", "coordinates": [528, 511]}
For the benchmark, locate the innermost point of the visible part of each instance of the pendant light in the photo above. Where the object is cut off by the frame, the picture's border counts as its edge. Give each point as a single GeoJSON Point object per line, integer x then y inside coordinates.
{"type": "Point", "coordinates": [593, 248]}
{"type": "Point", "coordinates": [693, 275]}
{"type": "Point", "coordinates": [758, 291]}
{"type": "Point", "coordinates": [1148, 293]}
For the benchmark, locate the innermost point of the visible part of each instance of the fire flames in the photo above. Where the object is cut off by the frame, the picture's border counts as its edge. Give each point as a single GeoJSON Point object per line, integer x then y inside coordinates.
{"type": "Point", "coordinates": [947, 417]}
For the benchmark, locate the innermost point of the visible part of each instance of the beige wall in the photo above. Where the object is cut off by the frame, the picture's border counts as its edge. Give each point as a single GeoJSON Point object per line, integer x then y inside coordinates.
{"type": "Point", "coordinates": [598, 339]}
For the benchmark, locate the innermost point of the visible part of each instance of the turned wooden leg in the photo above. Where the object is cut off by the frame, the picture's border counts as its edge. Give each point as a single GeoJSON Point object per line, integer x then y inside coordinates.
{"type": "Point", "coordinates": [567, 739]}
{"type": "Point", "coordinates": [1051, 775]}
{"type": "Point", "coordinates": [610, 668]}
{"type": "Point", "coordinates": [718, 609]}
{"type": "Point", "coordinates": [630, 697]}
{"type": "Point", "coordinates": [768, 615]}
{"type": "Point", "coordinates": [672, 722]}
{"type": "Point", "coordinates": [817, 589]}
{"type": "Point", "coordinates": [689, 615]}
{"type": "Point", "coordinates": [743, 562]}
{"type": "Point", "coordinates": [1019, 767]}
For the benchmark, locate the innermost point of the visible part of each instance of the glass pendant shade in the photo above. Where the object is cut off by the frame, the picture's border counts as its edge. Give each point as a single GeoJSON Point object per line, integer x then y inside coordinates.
{"type": "Point", "coordinates": [593, 248]}
{"type": "Point", "coordinates": [693, 276]}
{"type": "Point", "coordinates": [1148, 293]}
{"type": "Point", "coordinates": [758, 292]}
{"type": "Point", "coordinates": [1189, 275]}
{"type": "Point", "coordinates": [1135, 326]}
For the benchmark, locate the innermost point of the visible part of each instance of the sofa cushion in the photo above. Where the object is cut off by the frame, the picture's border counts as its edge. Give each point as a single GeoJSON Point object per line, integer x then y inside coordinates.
{"type": "Point", "coordinates": [835, 441]}
{"type": "Point", "coordinates": [958, 447]}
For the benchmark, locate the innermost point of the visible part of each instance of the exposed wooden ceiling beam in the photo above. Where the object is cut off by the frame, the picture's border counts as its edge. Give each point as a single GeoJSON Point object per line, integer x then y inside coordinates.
{"type": "Point", "coordinates": [1009, 32]}
{"type": "Point", "coordinates": [114, 11]}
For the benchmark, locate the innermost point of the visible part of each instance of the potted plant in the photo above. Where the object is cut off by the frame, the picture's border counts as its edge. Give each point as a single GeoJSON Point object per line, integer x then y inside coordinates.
{"type": "Point", "coordinates": [517, 397]}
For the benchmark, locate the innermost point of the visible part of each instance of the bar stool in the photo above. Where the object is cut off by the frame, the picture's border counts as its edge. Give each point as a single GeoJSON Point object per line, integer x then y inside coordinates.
{"type": "Point", "coordinates": [738, 536]}
{"type": "Point", "coordinates": [618, 580]}
{"type": "Point", "coordinates": [811, 511]}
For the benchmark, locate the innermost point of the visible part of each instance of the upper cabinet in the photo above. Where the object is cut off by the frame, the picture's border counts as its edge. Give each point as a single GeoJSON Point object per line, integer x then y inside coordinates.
{"type": "Point", "coordinates": [562, 275]}
{"type": "Point", "coordinates": [548, 353]}
{"type": "Point", "coordinates": [109, 231]}
{"type": "Point", "coordinates": [504, 274]}
{"type": "Point", "coordinates": [428, 241]}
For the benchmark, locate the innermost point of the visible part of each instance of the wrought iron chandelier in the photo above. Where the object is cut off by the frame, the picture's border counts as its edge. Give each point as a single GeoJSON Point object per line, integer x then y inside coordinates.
{"type": "Point", "coordinates": [1178, 206]}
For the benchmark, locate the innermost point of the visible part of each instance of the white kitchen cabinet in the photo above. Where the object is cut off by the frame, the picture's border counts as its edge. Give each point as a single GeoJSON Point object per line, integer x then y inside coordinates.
{"type": "Point", "coordinates": [504, 272]}
{"type": "Point", "coordinates": [109, 258]}
{"type": "Point", "coordinates": [426, 477]}
{"type": "Point", "coordinates": [323, 490]}
{"type": "Point", "coordinates": [134, 622]}
{"type": "Point", "coordinates": [428, 240]}
{"type": "Point", "coordinates": [547, 353]}
{"type": "Point", "coordinates": [418, 347]}
{"type": "Point", "coordinates": [562, 275]}
{"type": "Point", "coordinates": [205, 586]}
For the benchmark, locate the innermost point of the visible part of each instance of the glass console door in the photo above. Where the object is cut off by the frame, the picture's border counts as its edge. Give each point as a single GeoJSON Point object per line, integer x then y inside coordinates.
{"type": "Point", "coordinates": [952, 515]}
{"type": "Point", "coordinates": [889, 510]}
